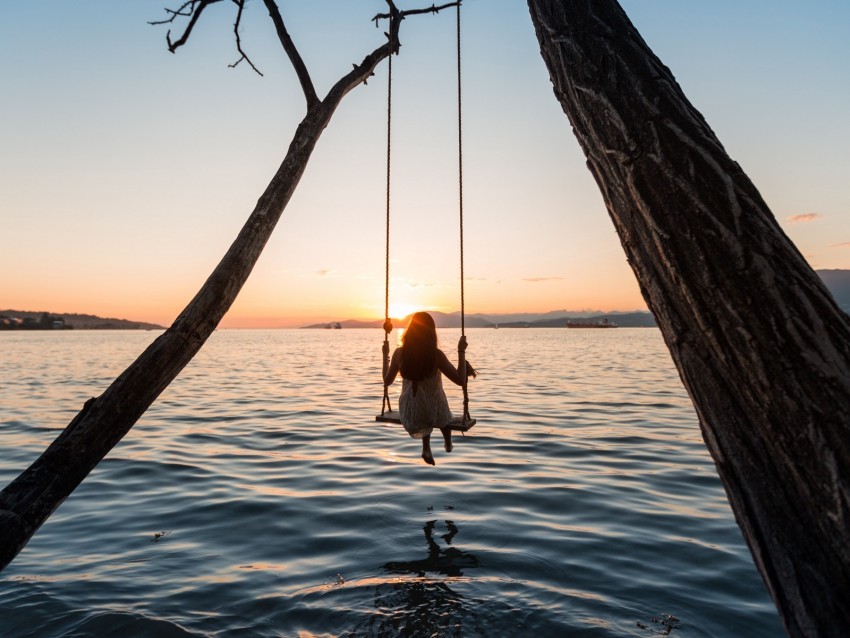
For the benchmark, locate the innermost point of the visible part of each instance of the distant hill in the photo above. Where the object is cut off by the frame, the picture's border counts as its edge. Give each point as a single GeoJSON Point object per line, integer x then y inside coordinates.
{"type": "Point", "coordinates": [531, 317]}
{"type": "Point", "coordinates": [348, 323]}
{"type": "Point", "coordinates": [554, 319]}
{"type": "Point", "coordinates": [622, 319]}
{"type": "Point", "coordinates": [838, 282]}
{"type": "Point", "coordinates": [79, 321]}
{"type": "Point", "coordinates": [442, 320]}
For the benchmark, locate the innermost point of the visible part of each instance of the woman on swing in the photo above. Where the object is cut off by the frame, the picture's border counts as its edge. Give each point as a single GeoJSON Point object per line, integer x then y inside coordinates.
{"type": "Point", "coordinates": [423, 404]}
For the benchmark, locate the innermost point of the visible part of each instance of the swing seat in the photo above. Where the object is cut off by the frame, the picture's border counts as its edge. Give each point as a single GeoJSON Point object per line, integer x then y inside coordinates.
{"type": "Point", "coordinates": [457, 424]}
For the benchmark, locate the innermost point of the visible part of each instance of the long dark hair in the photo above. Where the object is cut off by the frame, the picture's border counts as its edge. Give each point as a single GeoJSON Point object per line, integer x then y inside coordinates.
{"type": "Point", "coordinates": [419, 347]}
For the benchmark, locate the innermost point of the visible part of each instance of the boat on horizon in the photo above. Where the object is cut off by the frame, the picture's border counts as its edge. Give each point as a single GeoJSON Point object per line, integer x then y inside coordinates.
{"type": "Point", "coordinates": [586, 323]}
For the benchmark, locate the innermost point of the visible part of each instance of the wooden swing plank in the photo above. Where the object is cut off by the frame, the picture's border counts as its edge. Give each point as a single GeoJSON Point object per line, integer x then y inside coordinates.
{"type": "Point", "coordinates": [457, 424]}
{"type": "Point", "coordinates": [391, 416]}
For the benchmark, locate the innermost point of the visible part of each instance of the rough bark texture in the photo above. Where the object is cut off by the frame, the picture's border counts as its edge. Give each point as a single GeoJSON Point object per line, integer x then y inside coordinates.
{"type": "Point", "coordinates": [759, 343]}
{"type": "Point", "coordinates": [30, 499]}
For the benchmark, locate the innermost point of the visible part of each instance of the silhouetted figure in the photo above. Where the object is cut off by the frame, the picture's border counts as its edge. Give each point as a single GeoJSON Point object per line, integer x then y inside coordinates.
{"type": "Point", "coordinates": [423, 405]}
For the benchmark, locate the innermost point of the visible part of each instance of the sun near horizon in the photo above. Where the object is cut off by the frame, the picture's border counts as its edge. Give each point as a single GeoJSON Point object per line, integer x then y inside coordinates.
{"type": "Point", "coordinates": [120, 198]}
{"type": "Point", "coordinates": [253, 310]}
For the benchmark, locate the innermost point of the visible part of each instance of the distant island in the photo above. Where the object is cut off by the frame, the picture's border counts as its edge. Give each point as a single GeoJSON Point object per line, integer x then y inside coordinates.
{"type": "Point", "coordinates": [41, 320]}
{"type": "Point", "coordinates": [553, 319]}
{"type": "Point", "coordinates": [837, 281]}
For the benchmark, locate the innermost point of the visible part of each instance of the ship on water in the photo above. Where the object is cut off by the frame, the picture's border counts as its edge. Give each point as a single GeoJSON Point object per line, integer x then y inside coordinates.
{"type": "Point", "coordinates": [588, 323]}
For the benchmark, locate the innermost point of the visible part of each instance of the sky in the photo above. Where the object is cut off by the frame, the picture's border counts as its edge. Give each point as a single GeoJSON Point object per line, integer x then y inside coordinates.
{"type": "Point", "coordinates": [126, 171]}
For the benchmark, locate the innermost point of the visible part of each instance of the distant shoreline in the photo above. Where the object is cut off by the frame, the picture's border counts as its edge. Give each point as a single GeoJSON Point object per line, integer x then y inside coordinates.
{"type": "Point", "coordinates": [836, 280]}
{"type": "Point", "coordinates": [553, 319]}
{"type": "Point", "coordinates": [25, 320]}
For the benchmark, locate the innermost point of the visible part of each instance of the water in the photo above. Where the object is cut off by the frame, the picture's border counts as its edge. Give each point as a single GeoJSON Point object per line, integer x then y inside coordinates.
{"type": "Point", "coordinates": [258, 497]}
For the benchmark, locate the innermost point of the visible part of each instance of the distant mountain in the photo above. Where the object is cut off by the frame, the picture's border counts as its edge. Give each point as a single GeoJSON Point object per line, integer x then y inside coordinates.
{"type": "Point", "coordinates": [838, 282]}
{"type": "Point", "coordinates": [452, 320]}
{"type": "Point", "coordinates": [442, 320]}
{"type": "Point", "coordinates": [621, 319]}
{"type": "Point", "coordinates": [348, 323]}
{"type": "Point", "coordinates": [553, 319]}
{"type": "Point", "coordinates": [27, 318]}
{"type": "Point", "coordinates": [530, 317]}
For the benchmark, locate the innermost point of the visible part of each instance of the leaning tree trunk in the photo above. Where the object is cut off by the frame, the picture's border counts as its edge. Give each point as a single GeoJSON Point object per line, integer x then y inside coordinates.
{"type": "Point", "coordinates": [30, 499]}
{"type": "Point", "coordinates": [759, 343]}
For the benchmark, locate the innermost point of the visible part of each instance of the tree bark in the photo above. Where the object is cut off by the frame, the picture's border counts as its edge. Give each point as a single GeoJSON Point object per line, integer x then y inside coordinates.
{"type": "Point", "coordinates": [760, 345]}
{"type": "Point", "coordinates": [30, 499]}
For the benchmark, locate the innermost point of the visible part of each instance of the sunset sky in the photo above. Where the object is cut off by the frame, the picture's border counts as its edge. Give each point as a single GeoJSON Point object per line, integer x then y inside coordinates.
{"type": "Point", "coordinates": [126, 171]}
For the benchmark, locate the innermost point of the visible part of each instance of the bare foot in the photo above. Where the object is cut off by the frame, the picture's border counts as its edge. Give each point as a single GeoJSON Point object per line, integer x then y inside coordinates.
{"type": "Point", "coordinates": [428, 458]}
{"type": "Point", "coordinates": [447, 439]}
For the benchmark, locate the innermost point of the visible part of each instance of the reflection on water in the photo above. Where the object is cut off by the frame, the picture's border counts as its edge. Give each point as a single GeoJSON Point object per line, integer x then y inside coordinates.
{"type": "Point", "coordinates": [259, 498]}
{"type": "Point", "coordinates": [449, 560]}
{"type": "Point", "coordinates": [415, 608]}
{"type": "Point", "coordinates": [412, 603]}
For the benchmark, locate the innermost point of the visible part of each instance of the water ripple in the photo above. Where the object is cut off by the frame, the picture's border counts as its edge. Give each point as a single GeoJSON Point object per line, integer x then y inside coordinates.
{"type": "Point", "coordinates": [258, 497]}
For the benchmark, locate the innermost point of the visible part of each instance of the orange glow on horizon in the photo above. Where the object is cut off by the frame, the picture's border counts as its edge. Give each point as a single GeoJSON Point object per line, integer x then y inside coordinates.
{"type": "Point", "coordinates": [400, 310]}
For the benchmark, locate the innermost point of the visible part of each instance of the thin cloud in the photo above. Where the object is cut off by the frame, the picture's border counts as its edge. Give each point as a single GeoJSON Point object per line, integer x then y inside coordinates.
{"type": "Point", "coordinates": [844, 244]}
{"type": "Point", "coordinates": [805, 218]}
{"type": "Point", "coordinates": [324, 272]}
{"type": "Point", "coordinates": [418, 284]}
{"type": "Point", "coordinates": [541, 279]}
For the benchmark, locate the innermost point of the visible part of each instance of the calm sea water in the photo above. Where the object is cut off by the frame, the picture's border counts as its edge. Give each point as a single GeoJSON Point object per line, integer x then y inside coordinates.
{"type": "Point", "coordinates": [258, 497]}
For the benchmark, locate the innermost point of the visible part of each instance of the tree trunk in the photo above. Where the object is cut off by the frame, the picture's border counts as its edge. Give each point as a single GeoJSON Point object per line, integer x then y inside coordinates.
{"type": "Point", "coordinates": [30, 499]}
{"type": "Point", "coordinates": [760, 345]}
{"type": "Point", "coordinates": [27, 502]}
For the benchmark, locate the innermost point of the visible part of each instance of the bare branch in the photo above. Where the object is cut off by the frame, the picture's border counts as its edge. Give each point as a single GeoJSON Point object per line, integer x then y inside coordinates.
{"type": "Point", "coordinates": [177, 13]}
{"type": "Point", "coordinates": [409, 12]}
{"type": "Point", "coordinates": [30, 499]}
{"type": "Point", "coordinates": [294, 57]}
{"type": "Point", "coordinates": [236, 24]}
{"type": "Point", "coordinates": [192, 10]}
{"type": "Point", "coordinates": [196, 8]}
{"type": "Point", "coordinates": [365, 69]}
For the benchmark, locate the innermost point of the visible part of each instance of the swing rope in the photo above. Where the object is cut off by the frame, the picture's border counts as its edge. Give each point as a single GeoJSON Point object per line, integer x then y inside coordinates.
{"type": "Point", "coordinates": [388, 326]}
{"type": "Point", "coordinates": [460, 208]}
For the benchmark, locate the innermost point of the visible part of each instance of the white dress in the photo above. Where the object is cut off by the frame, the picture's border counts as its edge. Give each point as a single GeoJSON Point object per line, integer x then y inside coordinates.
{"type": "Point", "coordinates": [427, 409]}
